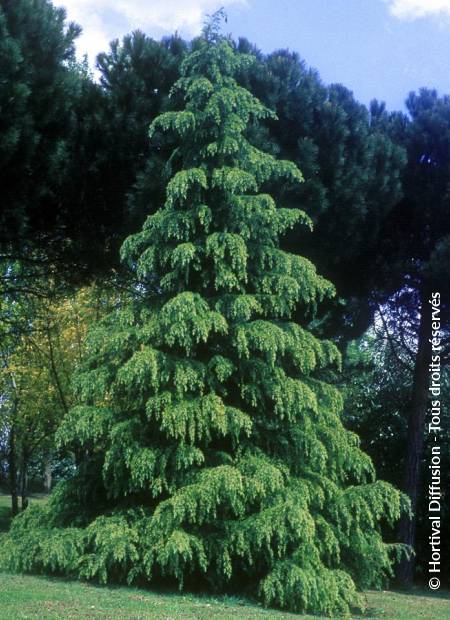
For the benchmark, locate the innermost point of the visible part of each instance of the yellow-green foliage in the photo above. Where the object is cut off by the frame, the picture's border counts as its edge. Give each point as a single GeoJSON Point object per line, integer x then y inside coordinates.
{"type": "Point", "coordinates": [208, 444]}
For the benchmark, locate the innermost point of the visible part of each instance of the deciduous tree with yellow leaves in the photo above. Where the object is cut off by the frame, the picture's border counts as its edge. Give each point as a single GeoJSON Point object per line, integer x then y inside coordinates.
{"type": "Point", "coordinates": [42, 345]}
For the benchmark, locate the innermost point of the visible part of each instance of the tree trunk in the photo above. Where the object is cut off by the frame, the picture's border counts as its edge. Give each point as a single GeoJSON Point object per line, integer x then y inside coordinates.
{"type": "Point", "coordinates": [415, 436]}
{"type": "Point", "coordinates": [24, 482]}
{"type": "Point", "coordinates": [13, 471]}
{"type": "Point", "coordinates": [47, 476]}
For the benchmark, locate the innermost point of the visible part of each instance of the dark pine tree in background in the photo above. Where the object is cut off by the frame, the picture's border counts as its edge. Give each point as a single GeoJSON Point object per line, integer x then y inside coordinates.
{"type": "Point", "coordinates": [413, 262]}
{"type": "Point", "coordinates": [36, 97]}
{"type": "Point", "coordinates": [136, 76]}
{"type": "Point", "coordinates": [208, 441]}
{"type": "Point", "coordinates": [352, 169]}
{"type": "Point", "coordinates": [70, 148]}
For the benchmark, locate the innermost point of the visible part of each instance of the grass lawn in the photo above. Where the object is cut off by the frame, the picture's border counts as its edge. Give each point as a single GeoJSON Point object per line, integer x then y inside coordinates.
{"type": "Point", "coordinates": [42, 598]}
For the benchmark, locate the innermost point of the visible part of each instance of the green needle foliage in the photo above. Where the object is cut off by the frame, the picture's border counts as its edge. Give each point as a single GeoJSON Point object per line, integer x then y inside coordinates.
{"type": "Point", "coordinates": [209, 446]}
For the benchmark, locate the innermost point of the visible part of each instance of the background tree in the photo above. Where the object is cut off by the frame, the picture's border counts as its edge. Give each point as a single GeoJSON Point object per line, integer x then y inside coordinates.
{"type": "Point", "coordinates": [70, 149]}
{"type": "Point", "coordinates": [37, 98]}
{"type": "Point", "coordinates": [352, 168]}
{"type": "Point", "coordinates": [412, 259]}
{"type": "Point", "coordinates": [377, 384]}
{"type": "Point", "coordinates": [42, 345]}
{"type": "Point", "coordinates": [213, 446]}
{"type": "Point", "coordinates": [136, 76]}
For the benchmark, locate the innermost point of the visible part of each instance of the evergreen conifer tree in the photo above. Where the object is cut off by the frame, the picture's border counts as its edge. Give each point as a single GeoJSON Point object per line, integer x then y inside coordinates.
{"type": "Point", "coordinates": [209, 445]}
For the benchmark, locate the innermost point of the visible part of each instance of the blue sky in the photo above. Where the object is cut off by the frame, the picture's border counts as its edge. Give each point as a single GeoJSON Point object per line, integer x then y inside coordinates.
{"type": "Point", "coordinates": [378, 48]}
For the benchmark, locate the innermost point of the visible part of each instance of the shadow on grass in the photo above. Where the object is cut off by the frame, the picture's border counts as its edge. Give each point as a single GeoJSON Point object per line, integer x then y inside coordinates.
{"type": "Point", "coordinates": [423, 590]}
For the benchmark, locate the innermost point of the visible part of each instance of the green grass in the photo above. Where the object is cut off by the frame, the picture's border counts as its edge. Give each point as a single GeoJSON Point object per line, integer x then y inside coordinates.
{"type": "Point", "coordinates": [42, 598]}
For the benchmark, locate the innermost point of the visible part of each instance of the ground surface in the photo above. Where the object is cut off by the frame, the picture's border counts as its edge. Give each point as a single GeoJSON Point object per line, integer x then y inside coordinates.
{"type": "Point", "coordinates": [41, 598]}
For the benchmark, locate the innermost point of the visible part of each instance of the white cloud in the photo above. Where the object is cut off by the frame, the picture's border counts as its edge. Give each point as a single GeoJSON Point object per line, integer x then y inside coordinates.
{"type": "Point", "coordinates": [104, 20]}
{"type": "Point", "coordinates": [414, 9]}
